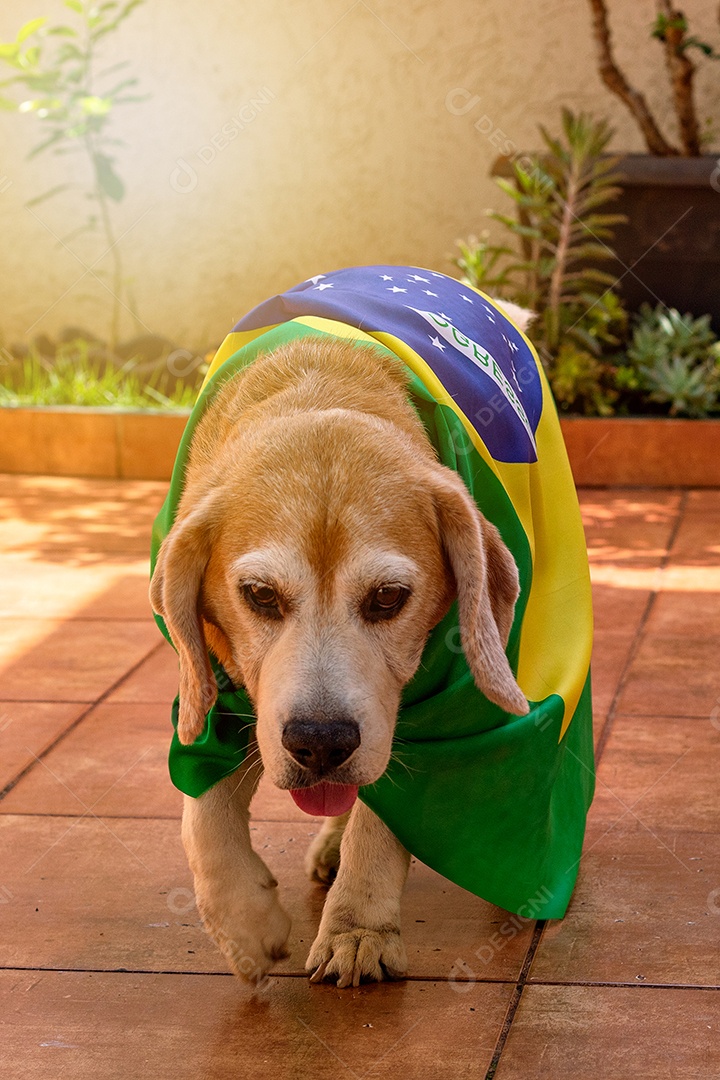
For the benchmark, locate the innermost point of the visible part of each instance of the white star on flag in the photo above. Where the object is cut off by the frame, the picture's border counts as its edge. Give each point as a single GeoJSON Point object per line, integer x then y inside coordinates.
{"type": "Point", "coordinates": [429, 293]}
{"type": "Point", "coordinates": [513, 346]}
{"type": "Point", "coordinates": [436, 342]}
{"type": "Point", "coordinates": [464, 297]}
{"type": "Point", "coordinates": [318, 277]}
{"type": "Point", "coordinates": [416, 277]}
{"type": "Point", "coordinates": [321, 287]}
{"type": "Point", "coordinates": [444, 316]}
{"type": "Point", "coordinates": [395, 289]}
{"type": "Point", "coordinates": [385, 277]}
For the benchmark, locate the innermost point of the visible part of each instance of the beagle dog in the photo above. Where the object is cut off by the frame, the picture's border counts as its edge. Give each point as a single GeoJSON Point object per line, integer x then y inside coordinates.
{"type": "Point", "coordinates": [371, 566]}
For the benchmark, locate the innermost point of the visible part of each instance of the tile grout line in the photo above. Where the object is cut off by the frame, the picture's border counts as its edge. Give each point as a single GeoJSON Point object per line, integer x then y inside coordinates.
{"type": "Point", "coordinates": [78, 720]}
{"type": "Point", "coordinates": [598, 984]}
{"type": "Point", "coordinates": [73, 618]}
{"type": "Point", "coordinates": [230, 975]}
{"type": "Point", "coordinates": [627, 985]}
{"type": "Point", "coordinates": [102, 817]}
{"type": "Point", "coordinates": [515, 1000]}
{"type": "Point", "coordinates": [155, 817]}
{"type": "Point", "coordinates": [639, 633]}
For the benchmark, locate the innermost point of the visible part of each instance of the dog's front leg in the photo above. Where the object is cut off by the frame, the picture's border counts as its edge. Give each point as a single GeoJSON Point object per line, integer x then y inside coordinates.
{"type": "Point", "coordinates": [236, 893]}
{"type": "Point", "coordinates": [359, 936]}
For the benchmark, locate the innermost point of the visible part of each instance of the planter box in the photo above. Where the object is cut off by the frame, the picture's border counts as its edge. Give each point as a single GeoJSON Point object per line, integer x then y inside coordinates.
{"type": "Point", "coordinates": [66, 441]}
{"type": "Point", "coordinates": [642, 452]}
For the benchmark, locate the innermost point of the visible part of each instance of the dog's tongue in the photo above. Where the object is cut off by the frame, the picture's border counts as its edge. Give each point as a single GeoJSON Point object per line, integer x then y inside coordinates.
{"type": "Point", "coordinates": [325, 800]}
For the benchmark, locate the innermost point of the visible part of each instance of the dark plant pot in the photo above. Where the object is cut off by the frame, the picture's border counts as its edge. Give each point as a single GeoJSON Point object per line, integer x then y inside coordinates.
{"type": "Point", "coordinates": [669, 250]}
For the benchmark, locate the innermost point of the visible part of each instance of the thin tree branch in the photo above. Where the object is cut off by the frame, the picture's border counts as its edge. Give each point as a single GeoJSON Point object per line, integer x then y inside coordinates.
{"type": "Point", "coordinates": [618, 84]}
{"type": "Point", "coordinates": [681, 71]}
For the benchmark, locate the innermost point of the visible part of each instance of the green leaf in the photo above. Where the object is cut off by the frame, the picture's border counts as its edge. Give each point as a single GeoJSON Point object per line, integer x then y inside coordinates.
{"type": "Point", "coordinates": [128, 10]}
{"type": "Point", "coordinates": [31, 56]}
{"type": "Point", "coordinates": [597, 198]}
{"type": "Point", "coordinates": [44, 83]}
{"type": "Point", "coordinates": [29, 28]}
{"type": "Point", "coordinates": [89, 226]}
{"type": "Point", "coordinates": [70, 52]}
{"type": "Point", "coordinates": [46, 143]}
{"type": "Point", "coordinates": [95, 106]}
{"type": "Point", "coordinates": [123, 85]}
{"type": "Point", "coordinates": [9, 53]}
{"type": "Point", "coordinates": [589, 250]}
{"type": "Point", "coordinates": [113, 67]}
{"type": "Point", "coordinates": [75, 5]}
{"type": "Point", "coordinates": [48, 194]}
{"type": "Point", "coordinates": [107, 178]}
{"type": "Point", "coordinates": [508, 187]}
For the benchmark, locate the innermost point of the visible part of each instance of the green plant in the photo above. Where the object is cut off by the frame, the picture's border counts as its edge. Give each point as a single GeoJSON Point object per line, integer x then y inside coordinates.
{"type": "Point", "coordinates": [689, 390]}
{"type": "Point", "coordinates": [80, 374]}
{"type": "Point", "coordinates": [672, 31]}
{"type": "Point", "coordinates": [74, 104]}
{"type": "Point", "coordinates": [549, 262]}
{"type": "Point", "coordinates": [582, 383]}
{"type": "Point", "coordinates": [481, 264]}
{"type": "Point", "coordinates": [662, 331]}
{"type": "Point", "coordinates": [674, 360]}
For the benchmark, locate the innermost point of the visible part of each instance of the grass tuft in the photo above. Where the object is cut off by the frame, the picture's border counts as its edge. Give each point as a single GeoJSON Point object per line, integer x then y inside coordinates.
{"type": "Point", "coordinates": [80, 374]}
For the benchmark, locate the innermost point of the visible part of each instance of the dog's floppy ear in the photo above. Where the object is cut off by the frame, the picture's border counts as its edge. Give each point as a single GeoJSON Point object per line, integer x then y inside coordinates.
{"type": "Point", "coordinates": [487, 588]}
{"type": "Point", "coordinates": [175, 595]}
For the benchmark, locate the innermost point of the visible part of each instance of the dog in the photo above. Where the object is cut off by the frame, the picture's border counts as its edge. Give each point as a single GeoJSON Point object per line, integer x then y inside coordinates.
{"type": "Point", "coordinates": [349, 620]}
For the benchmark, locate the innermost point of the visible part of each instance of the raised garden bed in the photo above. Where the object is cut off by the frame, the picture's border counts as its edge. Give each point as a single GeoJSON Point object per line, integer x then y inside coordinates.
{"type": "Point", "coordinates": [62, 441]}
{"type": "Point", "coordinates": [67, 441]}
{"type": "Point", "coordinates": [643, 451]}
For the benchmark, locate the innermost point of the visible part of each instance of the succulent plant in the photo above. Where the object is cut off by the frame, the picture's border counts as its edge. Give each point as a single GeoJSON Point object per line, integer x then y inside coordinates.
{"type": "Point", "coordinates": [675, 359]}
{"type": "Point", "coordinates": [690, 390]}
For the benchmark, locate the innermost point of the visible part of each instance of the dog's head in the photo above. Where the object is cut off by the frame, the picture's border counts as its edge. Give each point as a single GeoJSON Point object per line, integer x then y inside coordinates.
{"type": "Point", "coordinates": [314, 566]}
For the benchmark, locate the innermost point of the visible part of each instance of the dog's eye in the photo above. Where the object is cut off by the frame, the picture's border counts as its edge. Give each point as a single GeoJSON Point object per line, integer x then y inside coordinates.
{"type": "Point", "coordinates": [385, 602]}
{"type": "Point", "coordinates": [263, 597]}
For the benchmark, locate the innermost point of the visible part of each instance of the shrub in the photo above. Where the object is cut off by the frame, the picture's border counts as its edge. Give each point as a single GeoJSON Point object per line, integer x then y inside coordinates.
{"type": "Point", "coordinates": [550, 261]}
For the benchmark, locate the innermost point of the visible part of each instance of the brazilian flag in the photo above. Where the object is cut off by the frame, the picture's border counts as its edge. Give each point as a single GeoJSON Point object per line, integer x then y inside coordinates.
{"type": "Point", "coordinates": [494, 802]}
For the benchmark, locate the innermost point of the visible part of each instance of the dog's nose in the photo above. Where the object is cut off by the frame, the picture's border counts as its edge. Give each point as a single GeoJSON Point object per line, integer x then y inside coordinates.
{"type": "Point", "coordinates": [320, 745]}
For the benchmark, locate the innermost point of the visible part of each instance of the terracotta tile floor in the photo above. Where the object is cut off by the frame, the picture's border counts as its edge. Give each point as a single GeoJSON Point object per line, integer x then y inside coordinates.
{"type": "Point", "coordinates": [104, 969]}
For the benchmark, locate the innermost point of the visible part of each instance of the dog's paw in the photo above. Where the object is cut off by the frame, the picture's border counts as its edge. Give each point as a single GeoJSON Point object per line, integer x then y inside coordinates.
{"type": "Point", "coordinates": [357, 956]}
{"type": "Point", "coordinates": [250, 931]}
{"type": "Point", "coordinates": [323, 857]}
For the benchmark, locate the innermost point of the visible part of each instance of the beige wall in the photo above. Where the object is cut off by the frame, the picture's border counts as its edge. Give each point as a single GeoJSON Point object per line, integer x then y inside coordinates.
{"type": "Point", "coordinates": [348, 151]}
